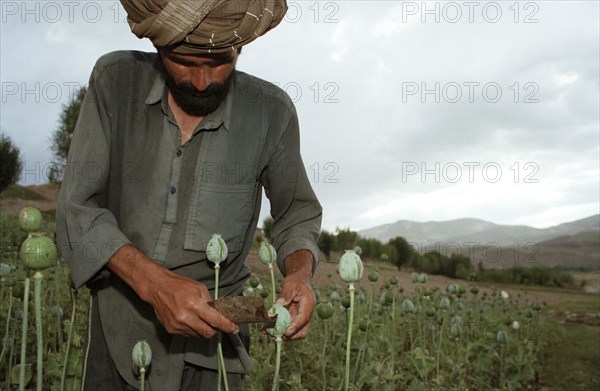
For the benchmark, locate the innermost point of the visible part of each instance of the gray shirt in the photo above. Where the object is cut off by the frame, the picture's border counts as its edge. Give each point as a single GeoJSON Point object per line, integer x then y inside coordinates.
{"type": "Point", "coordinates": [129, 180]}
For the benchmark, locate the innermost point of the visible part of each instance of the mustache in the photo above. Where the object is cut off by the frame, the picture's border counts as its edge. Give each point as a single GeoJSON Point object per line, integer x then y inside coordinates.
{"type": "Point", "coordinates": [189, 89]}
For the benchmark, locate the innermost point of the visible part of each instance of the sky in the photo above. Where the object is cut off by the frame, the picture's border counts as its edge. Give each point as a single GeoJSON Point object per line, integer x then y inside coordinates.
{"type": "Point", "coordinates": [408, 110]}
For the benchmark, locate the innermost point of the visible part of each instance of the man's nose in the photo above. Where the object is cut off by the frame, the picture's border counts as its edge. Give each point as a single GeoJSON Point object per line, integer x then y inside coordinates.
{"type": "Point", "coordinates": [201, 78]}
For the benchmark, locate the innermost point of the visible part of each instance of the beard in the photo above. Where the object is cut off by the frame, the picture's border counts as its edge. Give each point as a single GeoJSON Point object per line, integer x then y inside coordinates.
{"type": "Point", "coordinates": [195, 102]}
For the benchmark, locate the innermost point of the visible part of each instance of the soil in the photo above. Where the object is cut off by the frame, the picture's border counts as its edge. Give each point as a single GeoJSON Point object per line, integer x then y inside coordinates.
{"type": "Point", "coordinates": [12, 206]}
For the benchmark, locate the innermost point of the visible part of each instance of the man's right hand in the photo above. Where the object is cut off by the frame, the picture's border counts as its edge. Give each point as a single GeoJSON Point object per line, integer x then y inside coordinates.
{"type": "Point", "coordinates": [180, 303]}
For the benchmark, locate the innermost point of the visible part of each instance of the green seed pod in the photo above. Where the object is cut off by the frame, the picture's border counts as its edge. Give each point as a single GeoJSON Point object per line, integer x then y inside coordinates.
{"type": "Point", "coordinates": [346, 302]}
{"type": "Point", "coordinates": [414, 278]}
{"type": "Point", "coordinates": [38, 252]}
{"type": "Point", "coordinates": [56, 311]}
{"type": "Point", "coordinates": [502, 337]}
{"type": "Point", "coordinates": [30, 219]}
{"type": "Point", "coordinates": [461, 290]}
{"type": "Point", "coordinates": [284, 319]}
{"type": "Point", "coordinates": [362, 325]}
{"type": "Point", "coordinates": [393, 280]}
{"type": "Point", "coordinates": [455, 330]}
{"type": "Point", "coordinates": [385, 257]}
{"type": "Point", "coordinates": [529, 313]}
{"type": "Point", "coordinates": [474, 290]}
{"type": "Point", "coordinates": [350, 267]}
{"type": "Point", "coordinates": [456, 319]}
{"type": "Point", "coordinates": [325, 310]}
{"type": "Point", "coordinates": [264, 293]}
{"type": "Point", "coordinates": [422, 278]}
{"type": "Point", "coordinates": [216, 249]}
{"type": "Point", "coordinates": [267, 253]}
{"type": "Point", "coordinates": [141, 356]}
{"type": "Point", "coordinates": [430, 312]}
{"type": "Point", "coordinates": [407, 306]}
{"type": "Point", "coordinates": [452, 289]}
{"type": "Point", "coordinates": [444, 303]}
{"type": "Point", "coordinates": [9, 281]}
{"type": "Point", "coordinates": [253, 282]}
{"type": "Point", "coordinates": [334, 296]}
{"type": "Point", "coordinates": [4, 270]}
{"type": "Point", "coordinates": [373, 276]}
{"type": "Point", "coordinates": [329, 275]}
{"type": "Point", "coordinates": [387, 298]}
{"type": "Point", "coordinates": [17, 291]}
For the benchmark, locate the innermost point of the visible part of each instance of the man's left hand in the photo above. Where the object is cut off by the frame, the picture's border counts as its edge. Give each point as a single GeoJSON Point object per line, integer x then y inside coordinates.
{"type": "Point", "coordinates": [297, 294]}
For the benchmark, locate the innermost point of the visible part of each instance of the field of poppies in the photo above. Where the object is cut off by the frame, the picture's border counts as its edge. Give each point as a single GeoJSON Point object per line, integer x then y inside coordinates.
{"type": "Point", "coordinates": [375, 337]}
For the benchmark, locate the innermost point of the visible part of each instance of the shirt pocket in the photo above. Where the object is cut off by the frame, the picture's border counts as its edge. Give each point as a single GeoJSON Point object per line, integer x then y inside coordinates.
{"type": "Point", "coordinates": [224, 209]}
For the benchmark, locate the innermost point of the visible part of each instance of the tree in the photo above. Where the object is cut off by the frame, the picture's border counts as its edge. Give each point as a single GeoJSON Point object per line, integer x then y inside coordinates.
{"type": "Point", "coordinates": [326, 243]}
{"type": "Point", "coordinates": [268, 228]}
{"type": "Point", "coordinates": [405, 252]}
{"type": "Point", "coordinates": [345, 239]}
{"type": "Point", "coordinates": [10, 162]}
{"type": "Point", "coordinates": [61, 139]}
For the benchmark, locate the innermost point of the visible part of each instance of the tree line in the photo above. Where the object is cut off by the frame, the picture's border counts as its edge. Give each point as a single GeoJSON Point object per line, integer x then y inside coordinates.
{"type": "Point", "coordinates": [399, 252]}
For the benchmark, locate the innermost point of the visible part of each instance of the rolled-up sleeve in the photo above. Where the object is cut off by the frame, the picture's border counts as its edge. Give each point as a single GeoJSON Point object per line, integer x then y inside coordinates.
{"type": "Point", "coordinates": [87, 232]}
{"type": "Point", "coordinates": [295, 208]}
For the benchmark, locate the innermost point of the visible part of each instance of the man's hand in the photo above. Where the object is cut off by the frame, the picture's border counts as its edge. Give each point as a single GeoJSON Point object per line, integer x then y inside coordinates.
{"type": "Point", "coordinates": [180, 303]}
{"type": "Point", "coordinates": [296, 293]}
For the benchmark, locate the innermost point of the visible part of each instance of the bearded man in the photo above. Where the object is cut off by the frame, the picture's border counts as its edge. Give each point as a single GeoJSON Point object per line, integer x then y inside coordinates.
{"type": "Point", "coordinates": [169, 148]}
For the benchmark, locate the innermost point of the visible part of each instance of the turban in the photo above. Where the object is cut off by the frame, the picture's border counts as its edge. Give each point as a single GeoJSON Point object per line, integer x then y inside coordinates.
{"type": "Point", "coordinates": [203, 26]}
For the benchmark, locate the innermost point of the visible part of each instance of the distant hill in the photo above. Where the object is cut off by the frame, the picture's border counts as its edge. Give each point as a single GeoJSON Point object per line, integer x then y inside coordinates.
{"type": "Point", "coordinates": [481, 232]}
{"type": "Point", "coordinates": [571, 245]}
{"type": "Point", "coordinates": [579, 251]}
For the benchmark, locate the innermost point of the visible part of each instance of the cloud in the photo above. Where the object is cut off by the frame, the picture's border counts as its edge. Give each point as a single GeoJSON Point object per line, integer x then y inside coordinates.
{"type": "Point", "coordinates": [382, 87]}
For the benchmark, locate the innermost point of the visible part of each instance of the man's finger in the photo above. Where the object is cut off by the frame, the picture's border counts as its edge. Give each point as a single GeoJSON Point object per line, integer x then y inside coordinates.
{"type": "Point", "coordinates": [216, 320]}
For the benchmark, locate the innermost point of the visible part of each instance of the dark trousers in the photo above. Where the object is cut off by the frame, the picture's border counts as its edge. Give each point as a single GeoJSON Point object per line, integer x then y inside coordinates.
{"type": "Point", "coordinates": [102, 375]}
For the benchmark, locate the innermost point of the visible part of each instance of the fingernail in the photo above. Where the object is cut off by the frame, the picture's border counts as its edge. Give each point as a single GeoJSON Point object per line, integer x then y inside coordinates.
{"type": "Point", "coordinates": [236, 330]}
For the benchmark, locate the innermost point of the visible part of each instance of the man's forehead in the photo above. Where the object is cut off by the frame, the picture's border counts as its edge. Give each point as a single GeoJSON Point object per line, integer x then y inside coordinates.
{"type": "Point", "coordinates": [220, 57]}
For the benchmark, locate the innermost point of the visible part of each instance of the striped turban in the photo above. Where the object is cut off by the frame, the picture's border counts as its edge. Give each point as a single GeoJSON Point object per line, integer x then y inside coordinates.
{"type": "Point", "coordinates": [203, 26]}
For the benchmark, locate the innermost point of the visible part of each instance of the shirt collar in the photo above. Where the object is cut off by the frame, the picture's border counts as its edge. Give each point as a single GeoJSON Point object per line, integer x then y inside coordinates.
{"type": "Point", "coordinates": [212, 121]}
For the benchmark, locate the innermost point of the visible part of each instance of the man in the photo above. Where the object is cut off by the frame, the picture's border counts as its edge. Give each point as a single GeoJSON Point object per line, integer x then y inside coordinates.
{"type": "Point", "coordinates": [170, 148]}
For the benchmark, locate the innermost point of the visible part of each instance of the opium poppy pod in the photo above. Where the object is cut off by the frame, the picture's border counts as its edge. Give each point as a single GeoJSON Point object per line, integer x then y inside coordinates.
{"type": "Point", "coordinates": [38, 252]}
{"type": "Point", "coordinates": [216, 250]}
{"type": "Point", "coordinates": [30, 219]}
{"type": "Point", "coordinates": [267, 253]}
{"type": "Point", "coordinates": [350, 267]}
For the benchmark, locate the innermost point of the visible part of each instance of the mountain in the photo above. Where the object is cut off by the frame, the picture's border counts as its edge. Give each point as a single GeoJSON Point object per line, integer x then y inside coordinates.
{"type": "Point", "coordinates": [476, 232]}
{"type": "Point", "coordinates": [579, 251]}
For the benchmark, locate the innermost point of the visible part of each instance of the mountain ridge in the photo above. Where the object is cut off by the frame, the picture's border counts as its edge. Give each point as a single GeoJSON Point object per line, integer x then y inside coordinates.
{"type": "Point", "coordinates": [477, 231]}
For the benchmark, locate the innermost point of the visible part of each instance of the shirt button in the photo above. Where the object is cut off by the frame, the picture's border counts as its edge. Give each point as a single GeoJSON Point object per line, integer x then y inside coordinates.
{"type": "Point", "coordinates": [179, 152]}
{"type": "Point", "coordinates": [172, 189]}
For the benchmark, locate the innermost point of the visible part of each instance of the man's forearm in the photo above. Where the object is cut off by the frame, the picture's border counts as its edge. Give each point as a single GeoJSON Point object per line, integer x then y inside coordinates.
{"type": "Point", "coordinates": [135, 269]}
{"type": "Point", "coordinates": [300, 262]}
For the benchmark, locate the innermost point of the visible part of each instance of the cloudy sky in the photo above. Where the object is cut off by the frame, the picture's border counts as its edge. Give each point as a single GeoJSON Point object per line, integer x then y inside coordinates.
{"type": "Point", "coordinates": [408, 110]}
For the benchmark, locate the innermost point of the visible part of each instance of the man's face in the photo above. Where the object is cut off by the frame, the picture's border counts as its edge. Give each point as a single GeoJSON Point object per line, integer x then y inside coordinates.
{"type": "Point", "coordinates": [198, 83]}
